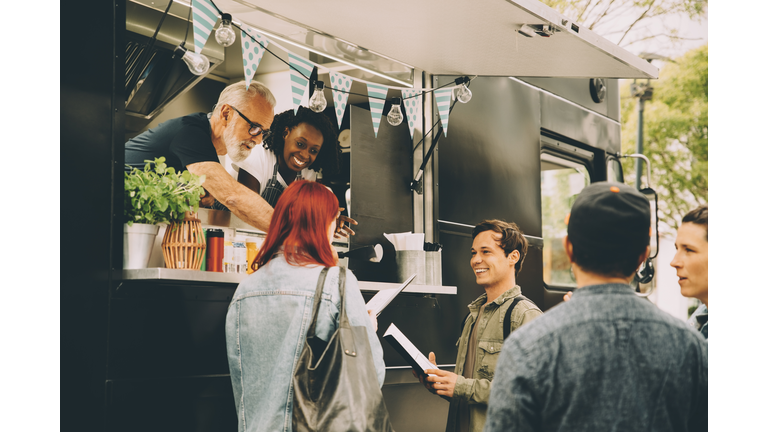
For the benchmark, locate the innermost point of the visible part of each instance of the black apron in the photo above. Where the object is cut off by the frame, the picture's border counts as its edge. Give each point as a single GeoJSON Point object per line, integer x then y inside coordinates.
{"type": "Point", "coordinates": [274, 189]}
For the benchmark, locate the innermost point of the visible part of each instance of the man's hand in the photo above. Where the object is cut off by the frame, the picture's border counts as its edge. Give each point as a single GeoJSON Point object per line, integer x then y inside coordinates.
{"type": "Point", "coordinates": [207, 200]}
{"type": "Point", "coordinates": [438, 384]}
{"type": "Point", "coordinates": [444, 382]}
{"type": "Point", "coordinates": [568, 296]}
{"type": "Point", "coordinates": [374, 321]}
{"type": "Point", "coordinates": [342, 230]}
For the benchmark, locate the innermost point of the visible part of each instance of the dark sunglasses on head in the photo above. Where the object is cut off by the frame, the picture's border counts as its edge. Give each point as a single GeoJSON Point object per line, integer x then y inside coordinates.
{"type": "Point", "coordinates": [256, 129]}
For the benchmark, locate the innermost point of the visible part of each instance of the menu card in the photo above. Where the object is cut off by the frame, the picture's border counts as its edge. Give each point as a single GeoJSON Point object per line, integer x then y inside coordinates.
{"type": "Point", "coordinates": [378, 302]}
{"type": "Point", "coordinates": [408, 350]}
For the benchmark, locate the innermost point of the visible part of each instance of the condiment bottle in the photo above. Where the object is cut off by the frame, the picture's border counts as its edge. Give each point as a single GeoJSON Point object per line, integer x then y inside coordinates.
{"type": "Point", "coordinates": [252, 249]}
{"type": "Point", "coordinates": [227, 262]}
{"type": "Point", "coordinates": [239, 254]}
{"type": "Point", "coordinates": [214, 250]}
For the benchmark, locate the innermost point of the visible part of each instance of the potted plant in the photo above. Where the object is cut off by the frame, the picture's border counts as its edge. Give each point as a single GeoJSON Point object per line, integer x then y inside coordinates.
{"type": "Point", "coordinates": [156, 195]}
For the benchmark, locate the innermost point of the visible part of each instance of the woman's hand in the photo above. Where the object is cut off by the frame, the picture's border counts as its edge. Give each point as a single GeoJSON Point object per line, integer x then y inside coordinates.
{"type": "Point", "coordinates": [342, 230]}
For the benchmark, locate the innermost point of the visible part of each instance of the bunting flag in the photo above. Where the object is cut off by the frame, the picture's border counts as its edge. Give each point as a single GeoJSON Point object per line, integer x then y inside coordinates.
{"type": "Point", "coordinates": [412, 107]}
{"type": "Point", "coordinates": [341, 82]}
{"type": "Point", "coordinates": [377, 105]}
{"type": "Point", "coordinates": [204, 16]}
{"type": "Point", "coordinates": [299, 83]}
{"type": "Point", "coordinates": [252, 52]}
{"type": "Point", "coordinates": [443, 100]}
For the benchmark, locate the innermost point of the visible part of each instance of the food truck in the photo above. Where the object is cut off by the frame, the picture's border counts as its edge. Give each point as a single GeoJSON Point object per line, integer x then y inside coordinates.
{"type": "Point", "coordinates": [144, 349]}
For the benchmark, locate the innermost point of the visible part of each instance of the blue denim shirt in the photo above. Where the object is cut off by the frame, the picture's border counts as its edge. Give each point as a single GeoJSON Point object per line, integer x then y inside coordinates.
{"type": "Point", "coordinates": [607, 360]}
{"type": "Point", "coordinates": [266, 326]}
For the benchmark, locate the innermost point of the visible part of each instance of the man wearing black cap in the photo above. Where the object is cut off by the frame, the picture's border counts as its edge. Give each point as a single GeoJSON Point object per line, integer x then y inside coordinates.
{"type": "Point", "coordinates": [607, 359]}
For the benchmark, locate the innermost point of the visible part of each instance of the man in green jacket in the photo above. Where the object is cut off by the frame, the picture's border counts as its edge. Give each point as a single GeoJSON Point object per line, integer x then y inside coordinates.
{"type": "Point", "coordinates": [498, 251]}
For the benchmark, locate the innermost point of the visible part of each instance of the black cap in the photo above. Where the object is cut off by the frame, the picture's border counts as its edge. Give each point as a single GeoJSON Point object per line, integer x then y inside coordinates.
{"type": "Point", "coordinates": [609, 215]}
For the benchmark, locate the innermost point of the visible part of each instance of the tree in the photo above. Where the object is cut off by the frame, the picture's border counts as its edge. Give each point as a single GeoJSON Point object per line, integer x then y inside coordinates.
{"type": "Point", "coordinates": [675, 135]}
{"type": "Point", "coordinates": [629, 22]}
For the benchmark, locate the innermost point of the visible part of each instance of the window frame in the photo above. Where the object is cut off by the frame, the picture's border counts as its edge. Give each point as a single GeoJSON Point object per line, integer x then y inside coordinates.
{"type": "Point", "coordinates": [568, 156]}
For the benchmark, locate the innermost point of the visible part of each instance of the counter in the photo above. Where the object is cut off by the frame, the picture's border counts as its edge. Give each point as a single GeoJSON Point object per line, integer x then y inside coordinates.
{"type": "Point", "coordinates": [232, 225]}
{"type": "Point", "coordinates": [165, 274]}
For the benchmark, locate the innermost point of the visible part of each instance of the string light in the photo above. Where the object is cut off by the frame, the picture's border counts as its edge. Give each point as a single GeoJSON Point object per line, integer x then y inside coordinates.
{"type": "Point", "coordinates": [317, 102]}
{"type": "Point", "coordinates": [225, 36]}
{"type": "Point", "coordinates": [395, 116]}
{"type": "Point", "coordinates": [198, 64]}
{"type": "Point", "coordinates": [463, 94]}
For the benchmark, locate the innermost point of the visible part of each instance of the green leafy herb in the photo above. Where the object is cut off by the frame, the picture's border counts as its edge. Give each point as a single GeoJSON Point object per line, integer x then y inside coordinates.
{"type": "Point", "coordinates": [159, 194]}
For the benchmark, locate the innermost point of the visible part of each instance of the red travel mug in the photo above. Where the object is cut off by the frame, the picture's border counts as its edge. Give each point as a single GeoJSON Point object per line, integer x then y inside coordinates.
{"type": "Point", "coordinates": [215, 250]}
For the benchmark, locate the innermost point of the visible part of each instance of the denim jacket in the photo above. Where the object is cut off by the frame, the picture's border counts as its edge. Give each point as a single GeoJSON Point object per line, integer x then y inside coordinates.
{"type": "Point", "coordinates": [700, 320]}
{"type": "Point", "coordinates": [490, 338]}
{"type": "Point", "coordinates": [607, 360]}
{"type": "Point", "coordinates": [266, 327]}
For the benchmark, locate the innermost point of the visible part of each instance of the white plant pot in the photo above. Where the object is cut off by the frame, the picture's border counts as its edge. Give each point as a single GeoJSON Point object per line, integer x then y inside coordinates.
{"type": "Point", "coordinates": [138, 240]}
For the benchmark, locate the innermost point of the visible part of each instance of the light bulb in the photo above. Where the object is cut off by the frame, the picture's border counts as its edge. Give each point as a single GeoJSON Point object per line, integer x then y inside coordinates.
{"type": "Point", "coordinates": [225, 36]}
{"type": "Point", "coordinates": [198, 64]}
{"type": "Point", "coordinates": [317, 102]}
{"type": "Point", "coordinates": [463, 94]}
{"type": "Point", "coordinates": [395, 116]}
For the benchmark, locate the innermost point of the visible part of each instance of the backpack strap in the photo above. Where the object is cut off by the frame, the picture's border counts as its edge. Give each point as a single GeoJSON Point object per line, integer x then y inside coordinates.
{"type": "Point", "coordinates": [508, 315]}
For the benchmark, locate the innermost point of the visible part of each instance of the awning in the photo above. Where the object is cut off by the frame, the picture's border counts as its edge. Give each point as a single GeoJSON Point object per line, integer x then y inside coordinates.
{"type": "Point", "coordinates": [451, 37]}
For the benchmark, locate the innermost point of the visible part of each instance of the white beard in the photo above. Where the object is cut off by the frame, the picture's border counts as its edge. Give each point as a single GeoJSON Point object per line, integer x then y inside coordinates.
{"type": "Point", "coordinates": [234, 149]}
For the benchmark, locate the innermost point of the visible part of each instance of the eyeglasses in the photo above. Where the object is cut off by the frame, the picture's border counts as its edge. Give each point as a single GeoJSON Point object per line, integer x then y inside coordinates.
{"type": "Point", "coordinates": [256, 129]}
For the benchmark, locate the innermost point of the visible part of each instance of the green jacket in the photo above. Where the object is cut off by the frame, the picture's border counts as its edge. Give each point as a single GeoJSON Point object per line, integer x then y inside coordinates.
{"type": "Point", "coordinates": [490, 338]}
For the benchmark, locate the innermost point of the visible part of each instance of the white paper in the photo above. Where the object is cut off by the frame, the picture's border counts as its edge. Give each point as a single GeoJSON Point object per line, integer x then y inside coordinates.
{"type": "Point", "coordinates": [406, 240]}
{"type": "Point", "coordinates": [378, 302]}
{"type": "Point", "coordinates": [409, 347]}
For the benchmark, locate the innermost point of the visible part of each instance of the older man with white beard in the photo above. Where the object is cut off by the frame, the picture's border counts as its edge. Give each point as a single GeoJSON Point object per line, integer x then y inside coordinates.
{"type": "Point", "coordinates": [201, 142]}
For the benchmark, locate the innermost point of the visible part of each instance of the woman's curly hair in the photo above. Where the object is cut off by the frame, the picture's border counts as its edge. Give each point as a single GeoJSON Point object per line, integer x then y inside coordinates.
{"type": "Point", "coordinates": [328, 158]}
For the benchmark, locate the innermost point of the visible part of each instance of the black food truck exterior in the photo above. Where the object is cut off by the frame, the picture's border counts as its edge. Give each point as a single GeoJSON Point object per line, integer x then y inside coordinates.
{"type": "Point", "coordinates": [146, 351]}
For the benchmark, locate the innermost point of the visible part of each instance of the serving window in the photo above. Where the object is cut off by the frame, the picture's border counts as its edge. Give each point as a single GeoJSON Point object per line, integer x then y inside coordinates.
{"type": "Point", "coordinates": [561, 181]}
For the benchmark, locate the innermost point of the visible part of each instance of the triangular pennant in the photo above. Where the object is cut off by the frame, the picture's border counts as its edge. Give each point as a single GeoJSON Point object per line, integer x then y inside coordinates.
{"type": "Point", "coordinates": [341, 82]}
{"type": "Point", "coordinates": [204, 16]}
{"type": "Point", "coordinates": [252, 52]}
{"type": "Point", "coordinates": [299, 80]}
{"type": "Point", "coordinates": [443, 100]}
{"type": "Point", "coordinates": [377, 95]}
{"type": "Point", "coordinates": [412, 107]}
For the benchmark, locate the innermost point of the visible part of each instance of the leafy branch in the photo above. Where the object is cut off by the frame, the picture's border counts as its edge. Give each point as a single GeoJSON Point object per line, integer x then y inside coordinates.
{"type": "Point", "coordinates": [159, 194]}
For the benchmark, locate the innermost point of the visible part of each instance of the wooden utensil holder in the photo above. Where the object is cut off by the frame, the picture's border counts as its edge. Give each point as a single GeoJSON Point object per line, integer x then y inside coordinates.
{"type": "Point", "coordinates": [184, 243]}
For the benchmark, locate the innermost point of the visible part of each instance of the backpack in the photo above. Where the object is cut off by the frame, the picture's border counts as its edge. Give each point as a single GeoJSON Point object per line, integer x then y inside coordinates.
{"type": "Point", "coordinates": [507, 317]}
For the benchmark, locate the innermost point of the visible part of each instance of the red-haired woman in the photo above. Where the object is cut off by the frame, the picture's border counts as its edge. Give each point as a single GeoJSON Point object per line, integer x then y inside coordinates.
{"type": "Point", "coordinates": [270, 311]}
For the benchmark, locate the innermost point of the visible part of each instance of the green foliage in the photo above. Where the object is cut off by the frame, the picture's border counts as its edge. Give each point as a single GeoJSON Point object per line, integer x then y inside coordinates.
{"type": "Point", "coordinates": [675, 135]}
{"type": "Point", "coordinates": [160, 195]}
{"type": "Point", "coordinates": [626, 22]}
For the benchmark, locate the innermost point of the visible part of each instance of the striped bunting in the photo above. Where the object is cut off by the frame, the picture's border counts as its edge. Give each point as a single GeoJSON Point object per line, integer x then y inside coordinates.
{"type": "Point", "coordinates": [412, 107]}
{"type": "Point", "coordinates": [377, 105]}
{"type": "Point", "coordinates": [341, 82]}
{"type": "Point", "coordinates": [252, 52]}
{"type": "Point", "coordinates": [298, 82]}
{"type": "Point", "coordinates": [443, 100]}
{"type": "Point", "coordinates": [204, 16]}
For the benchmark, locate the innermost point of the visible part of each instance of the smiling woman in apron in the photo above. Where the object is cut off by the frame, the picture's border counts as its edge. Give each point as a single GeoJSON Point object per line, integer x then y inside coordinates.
{"type": "Point", "coordinates": [296, 148]}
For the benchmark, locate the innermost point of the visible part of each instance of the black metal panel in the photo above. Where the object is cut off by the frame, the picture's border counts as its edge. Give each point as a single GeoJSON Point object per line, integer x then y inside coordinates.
{"type": "Point", "coordinates": [580, 125]}
{"type": "Point", "coordinates": [380, 176]}
{"type": "Point", "coordinates": [176, 404]}
{"type": "Point", "coordinates": [490, 160]}
{"type": "Point", "coordinates": [91, 116]}
{"type": "Point", "coordinates": [416, 409]}
{"type": "Point", "coordinates": [168, 330]}
{"type": "Point", "coordinates": [577, 90]}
